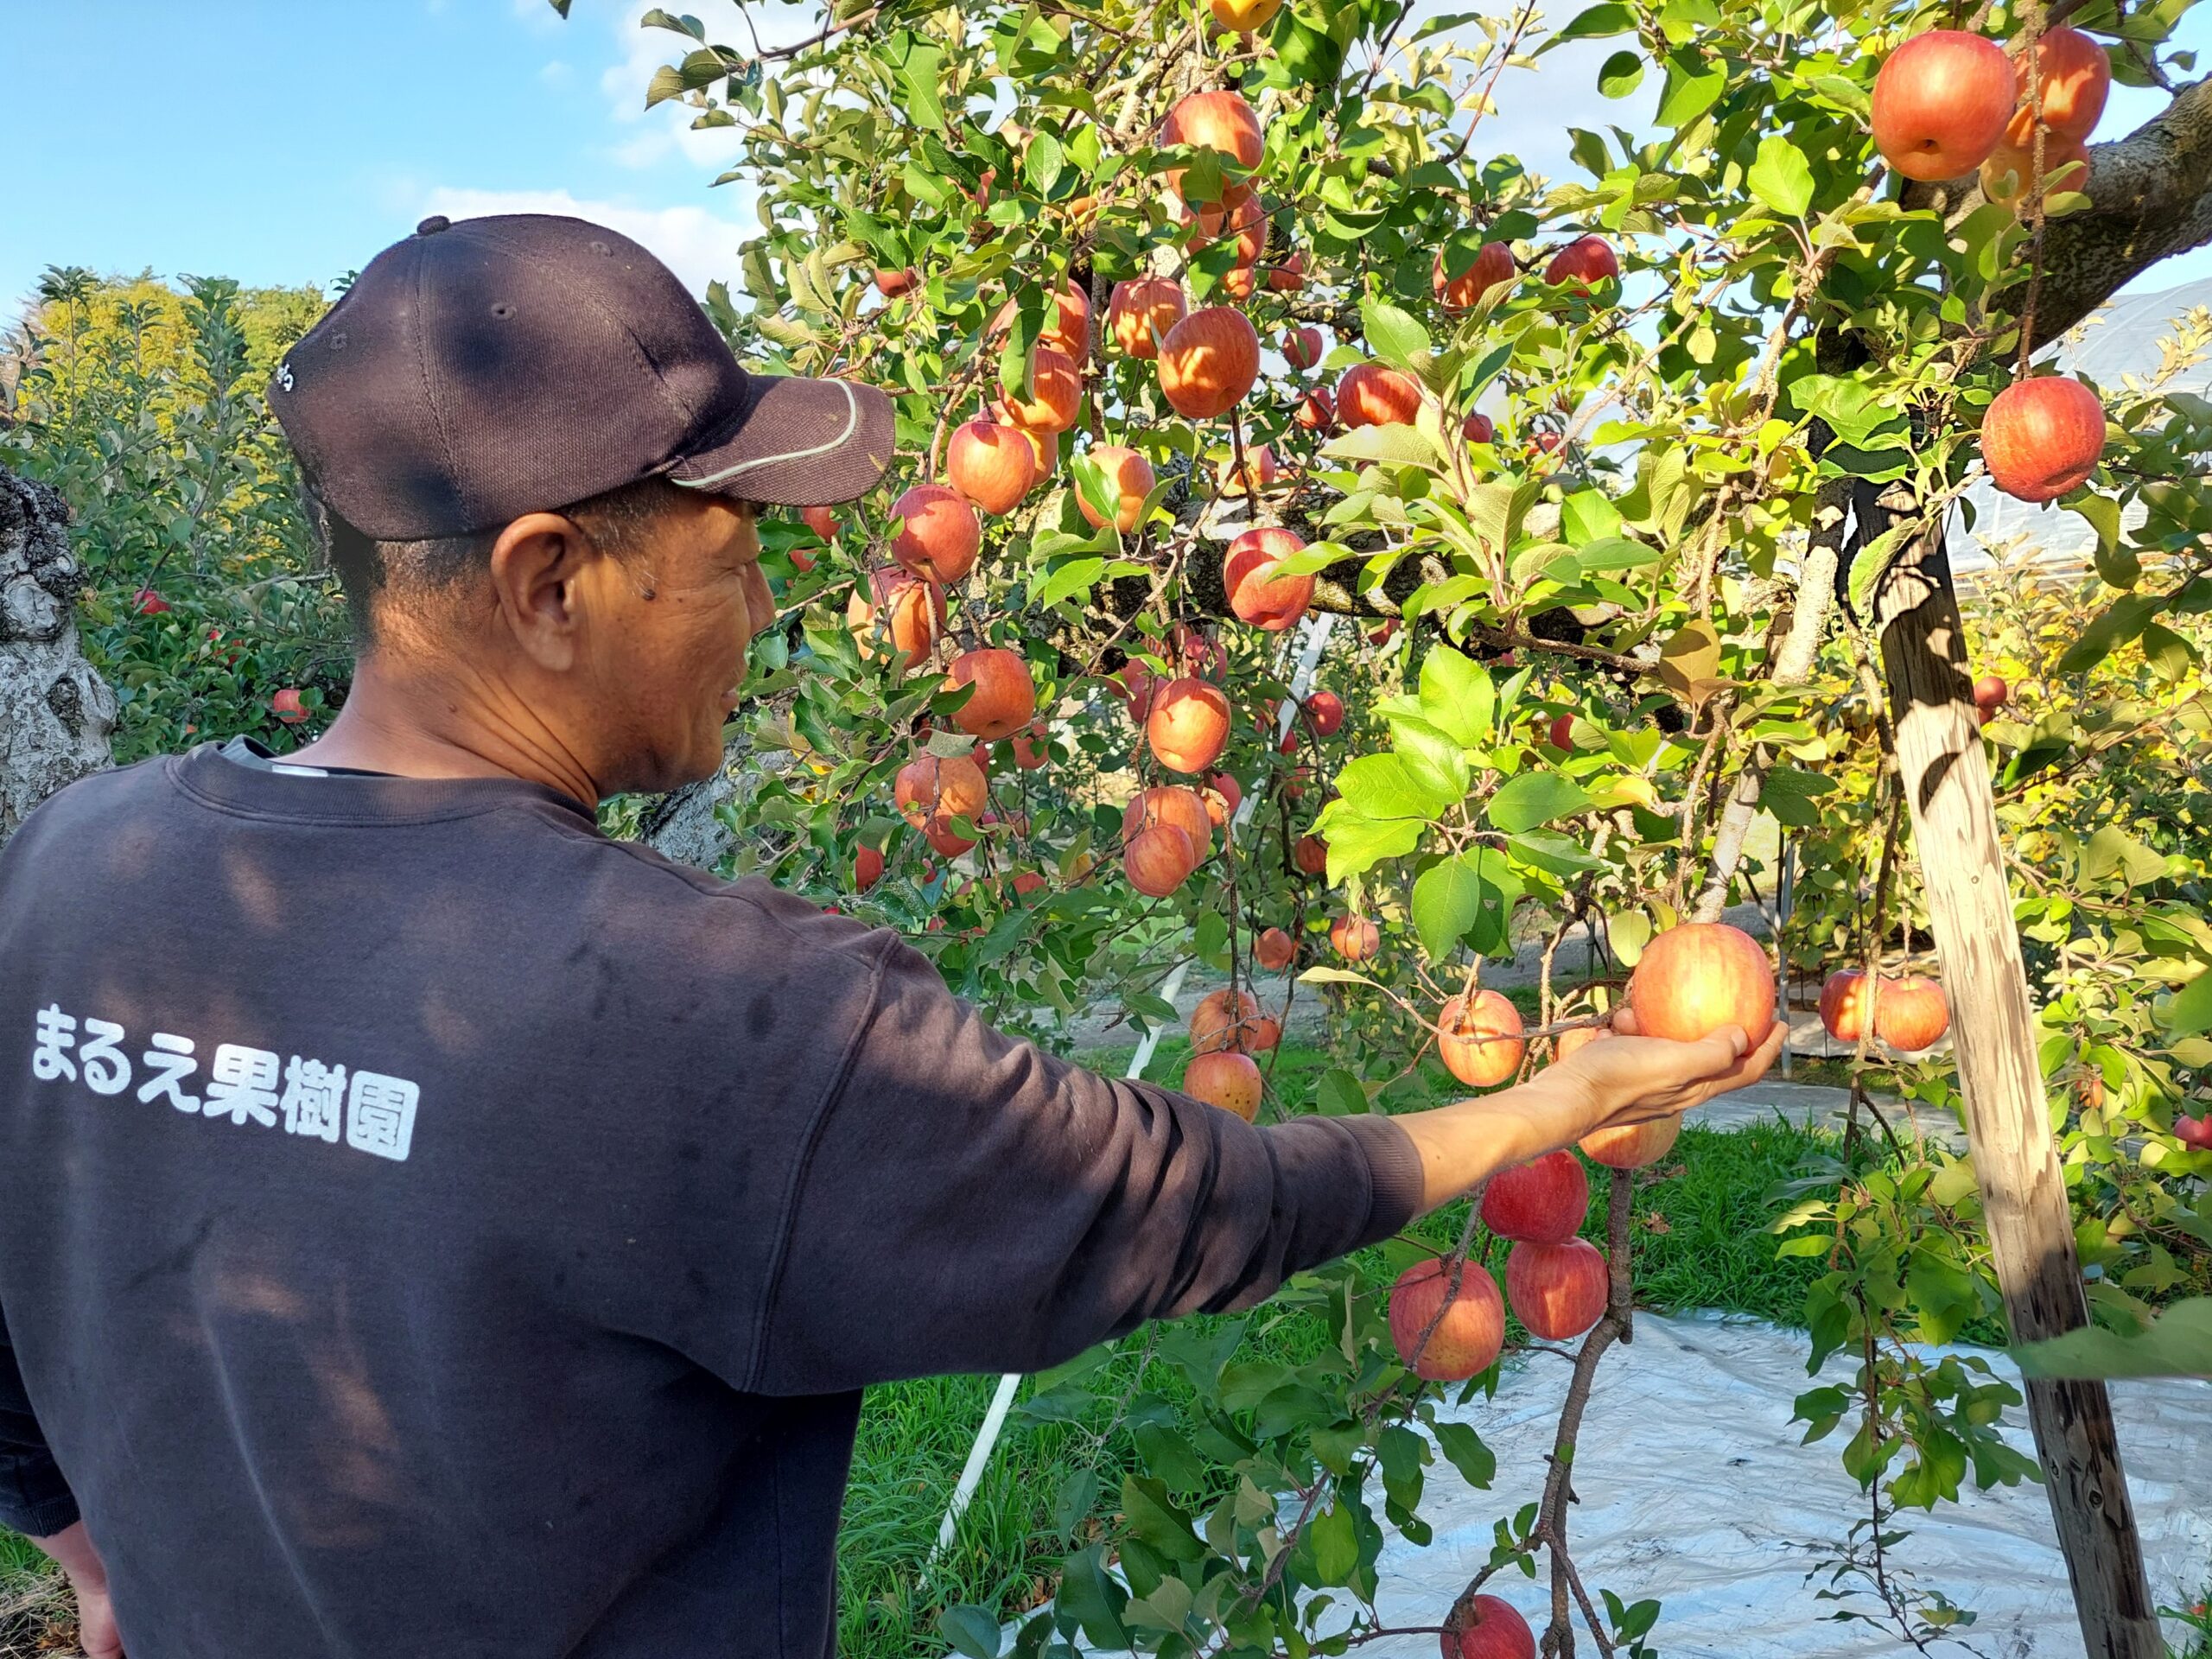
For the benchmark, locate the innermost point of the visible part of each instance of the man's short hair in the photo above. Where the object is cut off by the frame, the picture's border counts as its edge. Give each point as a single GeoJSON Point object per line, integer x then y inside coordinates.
{"type": "Point", "coordinates": [376, 576]}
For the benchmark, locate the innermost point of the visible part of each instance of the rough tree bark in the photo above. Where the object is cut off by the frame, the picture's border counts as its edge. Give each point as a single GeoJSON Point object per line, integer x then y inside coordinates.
{"type": "Point", "coordinates": [1946, 773]}
{"type": "Point", "coordinates": [55, 713]}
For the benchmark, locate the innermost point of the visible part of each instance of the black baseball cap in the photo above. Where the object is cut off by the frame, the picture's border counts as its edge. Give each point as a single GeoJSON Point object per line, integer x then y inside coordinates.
{"type": "Point", "coordinates": [495, 366]}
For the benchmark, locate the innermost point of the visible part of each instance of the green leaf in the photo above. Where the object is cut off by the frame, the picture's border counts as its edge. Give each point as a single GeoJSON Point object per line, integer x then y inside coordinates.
{"type": "Point", "coordinates": [1336, 1544]}
{"type": "Point", "coordinates": [1556, 854]}
{"type": "Point", "coordinates": [1628, 931]}
{"type": "Point", "coordinates": [1458, 696]}
{"type": "Point", "coordinates": [1477, 1462]}
{"type": "Point", "coordinates": [2177, 1343]}
{"type": "Point", "coordinates": [1393, 334]}
{"type": "Point", "coordinates": [1612, 553]}
{"type": "Point", "coordinates": [1471, 897]}
{"type": "Point", "coordinates": [1431, 759]}
{"type": "Point", "coordinates": [1358, 843]}
{"type": "Point", "coordinates": [2117, 564]}
{"type": "Point", "coordinates": [1533, 799]}
{"type": "Point", "coordinates": [1385, 786]}
{"type": "Point", "coordinates": [1339, 1094]}
{"type": "Point", "coordinates": [1594, 23]}
{"type": "Point", "coordinates": [1155, 1519]}
{"type": "Point", "coordinates": [1790, 794]}
{"type": "Point", "coordinates": [1094, 1598]}
{"type": "Point", "coordinates": [1781, 177]}
{"type": "Point", "coordinates": [921, 74]}
{"type": "Point", "coordinates": [1169, 1456]}
{"type": "Point", "coordinates": [1304, 53]}
{"type": "Point", "coordinates": [2190, 1011]}
{"type": "Point", "coordinates": [1588, 516]}
{"type": "Point", "coordinates": [1045, 160]}
{"type": "Point", "coordinates": [1695, 83]}
{"type": "Point", "coordinates": [667, 82]}
{"type": "Point", "coordinates": [1621, 74]}
{"type": "Point", "coordinates": [972, 1631]}
{"type": "Point", "coordinates": [1076, 576]}
{"type": "Point", "coordinates": [1394, 445]}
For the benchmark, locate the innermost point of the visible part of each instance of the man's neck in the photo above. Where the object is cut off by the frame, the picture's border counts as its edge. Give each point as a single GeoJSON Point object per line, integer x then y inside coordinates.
{"type": "Point", "coordinates": [411, 725]}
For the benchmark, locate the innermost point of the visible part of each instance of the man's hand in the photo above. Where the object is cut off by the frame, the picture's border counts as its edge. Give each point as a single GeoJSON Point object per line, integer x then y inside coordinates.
{"type": "Point", "coordinates": [1626, 1078]}
{"type": "Point", "coordinates": [1629, 1078]}
{"type": "Point", "coordinates": [72, 1548]}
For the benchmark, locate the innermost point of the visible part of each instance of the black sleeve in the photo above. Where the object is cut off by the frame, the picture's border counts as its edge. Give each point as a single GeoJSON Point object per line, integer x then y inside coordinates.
{"type": "Point", "coordinates": [969, 1202]}
{"type": "Point", "coordinates": [34, 1498]}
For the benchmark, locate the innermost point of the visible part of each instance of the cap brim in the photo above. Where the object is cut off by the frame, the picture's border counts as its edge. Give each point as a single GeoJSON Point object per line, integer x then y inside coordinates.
{"type": "Point", "coordinates": [803, 443]}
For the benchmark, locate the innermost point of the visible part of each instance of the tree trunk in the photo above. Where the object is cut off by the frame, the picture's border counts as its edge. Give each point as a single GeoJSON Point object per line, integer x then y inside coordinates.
{"type": "Point", "coordinates": [1992, 1027]}
{"type": "Point", "coordinates": [55, 713]}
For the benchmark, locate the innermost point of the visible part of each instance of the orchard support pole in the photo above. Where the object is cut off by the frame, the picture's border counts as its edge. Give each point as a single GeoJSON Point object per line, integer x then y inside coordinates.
{"type": "Point", "coordinates": [1946, 772]}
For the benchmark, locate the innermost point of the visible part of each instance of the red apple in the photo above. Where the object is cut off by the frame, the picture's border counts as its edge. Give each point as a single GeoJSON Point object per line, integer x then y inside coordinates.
{"type": "Point", "coordinates": [1492, 267]}
{"type": "Point", "coordinates": [1844, 1000]}
{"type": "Point", "coordinates": [1188, 726]}
{"type": "Point", "coordinates": [1067, 329]}
{"type": "Point", "coordinates": [1467, 1339]}
{"type": "Point", "coordinates": [1033, 749]}
{"type": "Point", "coordinates": [933, 789]}
{"type": "Point", "coordinates": [1208, 362]}
{"type": "Point", "coordinates": [1287, 276]}
{"type": "Point", "coordinates": [1478, 429]}
{"type": "Point", "coordinates": [1054, 395]}
{"type": "Point", "coordinates": [1310, 854]}
{"type": "Point", "coordinates": [1317, 411]}
{"type": "Point", "coordinates": [1005, 696]}
{"type": "Point", "coordinates": [868, 868]}
{"type": "Point", "coordinates": [1557, 1290]}
{"type": "Point", "coordinates": [1941, 103]}
{"type": "Point", "coordinates": [821, 521]}
{"type": "Point", "coordinates": [1170, 804]}
{"type": "Point", "coordinates": [1226, 1078]}
{"type": "Point", "coordinates": [1142, 311]}
{"type": "Point", "coordinates": [1911, 1013]}
{"type": "Point", "coordinates": [2195, 1132]}
{"type": "Point", "coordinates": [2073, 76]}
{"type": "Point", "coordinates": [1479, 1041]}
{"type": "Point", "coordinates": [1221, 122]}
{"type": "Point", "coordinates": [1159, 859]}
{"type": "Point", "coordinates": [1488, 1627]}
{"type": "Point", "coordinates": [147, 602]}
{"type": "Point", "coordinates": [1700, 977]}
{"type": "Point", "coordinates": [1221, 1022]}
{"type": "Point", "coordinates": [1367, 394]}
{"type": "Point", "coordinates": [1356, 938]}
{"type": "Point", "coordinates": [1585, 260]}
{"type": "Point", "coordinates": [1990, 692]}
{"type": "Point", "coordinates": [1328, 711]}
{"type": "Point", "coordinates": [1302, 347]}
{"type": "Point", "coordinates": [1632, 1146]}
{"type": "Point", "coordinates": [939, 534]}
{"type": "Point", "coordinates": [992, 465]}
{"type": "Point", "coordinates": [1541, 1202]}
{"type": "Point", "coordinates": [907, 607]}
{"type": "Point", "coordinates": [1272, 603]}
{"type": "Point", "coordinates": [892, 283]}
{"type": "Point", "coordinates": [1562, 732]}
{"type": "Point", "coordinates": [2041, 437]}
{"type": "Point", "coordinates": [1222, 795]}
{"type": "Point", "coordinates": [287, 707]}
{"type": "Point", "coordinates": [1273, 949]}
{"type": "Point", "coordinates": [1129, 475]}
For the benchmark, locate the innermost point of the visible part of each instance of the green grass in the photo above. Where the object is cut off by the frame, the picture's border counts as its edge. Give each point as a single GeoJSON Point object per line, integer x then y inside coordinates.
{"type": "Point", "coordinates": [1701, 1241]}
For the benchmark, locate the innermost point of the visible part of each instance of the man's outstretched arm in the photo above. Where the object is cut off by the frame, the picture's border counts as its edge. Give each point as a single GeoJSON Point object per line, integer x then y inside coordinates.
{"type": "Point", "coordinates": [971, 1204]}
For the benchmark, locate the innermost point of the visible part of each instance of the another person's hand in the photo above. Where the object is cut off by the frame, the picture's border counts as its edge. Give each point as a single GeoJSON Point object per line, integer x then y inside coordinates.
{"type": "Point", "coordinates": [72, 1548]}
{"type": "Point", "coordinates": [1628, 1078]}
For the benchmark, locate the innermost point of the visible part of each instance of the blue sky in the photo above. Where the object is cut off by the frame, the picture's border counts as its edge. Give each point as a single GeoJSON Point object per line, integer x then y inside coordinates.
{"type": "Point", "coordinates": [286, 141]}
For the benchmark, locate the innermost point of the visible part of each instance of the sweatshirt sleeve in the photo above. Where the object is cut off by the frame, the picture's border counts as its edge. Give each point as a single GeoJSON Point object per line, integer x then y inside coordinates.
{"type": "Point", "coordinates": [34, 1498]}
{"type": "Point", "coordinates": [970, 1203]}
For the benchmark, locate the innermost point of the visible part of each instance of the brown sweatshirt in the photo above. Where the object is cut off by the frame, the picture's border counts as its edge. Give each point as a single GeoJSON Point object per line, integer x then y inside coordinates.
{"type": "Point", "coordinates": [429, 1226]}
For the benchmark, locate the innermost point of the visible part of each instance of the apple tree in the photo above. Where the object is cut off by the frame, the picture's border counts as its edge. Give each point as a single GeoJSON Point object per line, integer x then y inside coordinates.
{"type": "Point", "coordinates": [1622, 499]}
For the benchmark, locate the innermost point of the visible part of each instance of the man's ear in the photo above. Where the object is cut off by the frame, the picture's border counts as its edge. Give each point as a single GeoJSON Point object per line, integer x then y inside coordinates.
{"type": "Point", "coordinates": [536, 564]}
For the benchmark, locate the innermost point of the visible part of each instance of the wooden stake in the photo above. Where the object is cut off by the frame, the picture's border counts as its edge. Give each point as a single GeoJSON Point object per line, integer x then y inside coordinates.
{"type": "Point", "coordinates": [1945, 774]}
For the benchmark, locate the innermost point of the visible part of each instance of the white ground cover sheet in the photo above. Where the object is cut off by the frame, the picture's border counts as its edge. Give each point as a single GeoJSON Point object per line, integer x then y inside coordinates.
{"type": "Point", "coordinates": [1694, 1489]}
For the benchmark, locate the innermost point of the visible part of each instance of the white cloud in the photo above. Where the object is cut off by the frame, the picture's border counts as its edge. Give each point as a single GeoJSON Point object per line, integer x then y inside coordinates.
{"type": "Point", "coordinates": [664, 131]}
{"type": "Point", "coordinates": [557, 73]}
{"type": "Point", "coordinates": [693, 242]}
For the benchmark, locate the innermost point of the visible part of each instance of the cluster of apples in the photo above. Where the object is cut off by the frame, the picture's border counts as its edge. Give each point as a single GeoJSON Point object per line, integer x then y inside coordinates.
{"type": "Point", "coordinates": [1227, 1030]}
{"type": "Point", "coordinates": [1948, 103]}
{"type": "Point", "coordinates": [1909, 1013]}
{"type": "Point", "coordinates": [1692, 981]}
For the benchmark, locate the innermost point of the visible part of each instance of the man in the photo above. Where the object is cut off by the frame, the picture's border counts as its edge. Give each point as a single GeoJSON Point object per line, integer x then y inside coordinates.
{"type": "Point", "coordinates": [427, 1226]}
